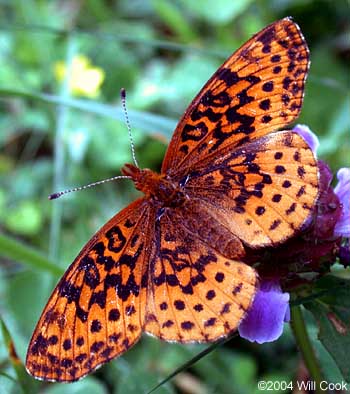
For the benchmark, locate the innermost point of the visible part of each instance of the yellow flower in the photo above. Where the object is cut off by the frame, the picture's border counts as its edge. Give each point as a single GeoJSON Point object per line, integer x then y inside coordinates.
{"type": "Point", "coordinates": [85, 80]}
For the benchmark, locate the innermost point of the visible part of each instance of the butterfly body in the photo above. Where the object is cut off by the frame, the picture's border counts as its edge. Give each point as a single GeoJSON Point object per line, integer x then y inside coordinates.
{"type": "Point", "coordinates": [158, 188]}
{"type": "Point", "coordinates": [170, 263]}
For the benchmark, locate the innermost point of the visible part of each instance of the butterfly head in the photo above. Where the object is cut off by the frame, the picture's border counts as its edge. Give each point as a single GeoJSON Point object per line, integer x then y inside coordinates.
{"type": "Point", "coordinates": [156, 187]}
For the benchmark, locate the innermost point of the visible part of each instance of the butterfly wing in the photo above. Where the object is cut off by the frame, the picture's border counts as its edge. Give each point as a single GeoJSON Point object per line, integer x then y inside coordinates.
{"type": "Point", "coordinates": [263, 192]}
{"type": "Point", "coordinates": [197, 289]}
{"type": "Point", "coordinates": [96, 311]}
{"type": "Point", "coordinates": [256, 91]}
{"type": "Point", "coordinates": [175, 273]}
{"type": "Point", "coordinates": [261, 185]}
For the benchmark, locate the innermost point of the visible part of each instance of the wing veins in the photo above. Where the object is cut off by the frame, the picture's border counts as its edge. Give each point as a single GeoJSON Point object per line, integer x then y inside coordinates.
{"type": "Point", "coordinates": [222, 86]}
{"type": "Point", "coordinates": [207, 278]}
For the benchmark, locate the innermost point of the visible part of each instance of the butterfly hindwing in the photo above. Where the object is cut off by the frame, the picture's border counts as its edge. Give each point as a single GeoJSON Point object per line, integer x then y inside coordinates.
{"type": "Point", "coordinates": [263, 192]}
{"type": "Point", "coordinates": [195, 293]}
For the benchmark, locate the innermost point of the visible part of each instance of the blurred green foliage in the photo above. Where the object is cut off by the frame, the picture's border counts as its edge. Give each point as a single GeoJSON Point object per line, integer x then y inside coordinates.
{"type": "Point", "coordinates": [162, 52]}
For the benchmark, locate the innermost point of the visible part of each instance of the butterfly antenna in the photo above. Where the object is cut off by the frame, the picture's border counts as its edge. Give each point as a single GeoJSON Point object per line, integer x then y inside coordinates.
{"type": "Point", "coordinates": [76, 189]}
{"type": "Point", "coordinates": [123, 98]}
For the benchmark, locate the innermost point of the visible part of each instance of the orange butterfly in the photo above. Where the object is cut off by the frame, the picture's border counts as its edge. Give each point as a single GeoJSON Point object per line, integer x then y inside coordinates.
{"type": "Point", "coordinates": [170, 263]}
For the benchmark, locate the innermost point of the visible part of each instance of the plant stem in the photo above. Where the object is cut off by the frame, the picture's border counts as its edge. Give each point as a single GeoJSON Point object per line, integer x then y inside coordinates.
{"type": "Point", "coordinates": [58, 162]}
{"type": "Point", "coordinates": [304, 344]}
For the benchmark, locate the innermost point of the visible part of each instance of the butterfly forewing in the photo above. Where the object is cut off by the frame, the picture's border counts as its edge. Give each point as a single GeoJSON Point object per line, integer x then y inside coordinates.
{"type": "Point", "coordinates": [256, 91]}
{"type": "Point", "coordinates": [96, 311]}
{"type": "Point", "coordinates": [261, 185]}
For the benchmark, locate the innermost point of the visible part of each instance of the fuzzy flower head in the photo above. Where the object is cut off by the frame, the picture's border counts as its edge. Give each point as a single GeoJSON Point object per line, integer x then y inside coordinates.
{"type": "Point", "coordinates": [85, 79]}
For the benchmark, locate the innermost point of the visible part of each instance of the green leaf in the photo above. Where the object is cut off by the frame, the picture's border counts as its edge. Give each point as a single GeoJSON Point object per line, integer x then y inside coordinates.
{"type": "Point", "coordinates": [191, 362]}
{"type": "Point", "coordinates": [26, 383]}
{"type": "Point", "coordinates": [24, 219]}
{"type": "Point", "coordinates": [17, 251]}
{"type": "Point", "coordinates": [329, 368]}
{"type": "Point", "coordinates": [174, 18]}
{"type": "Point", "coordinates": [89, 385]}
{"type": "Point", "coordinates": [332, 314]}
{"type": "Point", "coordinates": [219, 11]}
{"type": "Point", "coordinates": [144, 121]}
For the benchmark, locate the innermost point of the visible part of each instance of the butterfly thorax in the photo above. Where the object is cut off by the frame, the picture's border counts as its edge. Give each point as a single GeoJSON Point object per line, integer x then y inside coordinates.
{"type": "Point", "coordinates": [156, 186]}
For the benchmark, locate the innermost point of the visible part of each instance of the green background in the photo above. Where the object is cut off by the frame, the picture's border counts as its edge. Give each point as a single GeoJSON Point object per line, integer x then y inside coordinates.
{"type": "Point", "coordinates": [162, 52]}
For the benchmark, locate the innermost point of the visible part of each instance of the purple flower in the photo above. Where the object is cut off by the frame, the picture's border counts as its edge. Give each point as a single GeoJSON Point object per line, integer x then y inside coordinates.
{"type": "Point", "coordinates": [310, 138]}
{"type": "Point", "coordinates": [344, 254]}
{"type": "Point", "coordinates": [328, 208]}
{"type": "Point", "coordinates": [342, 190]}
{"type": "Point", "coordinates": [265, 319]}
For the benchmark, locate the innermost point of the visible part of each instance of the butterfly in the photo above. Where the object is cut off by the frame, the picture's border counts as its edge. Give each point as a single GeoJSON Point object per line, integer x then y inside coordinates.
{"type": "Point", "coordinates": [170, 263]}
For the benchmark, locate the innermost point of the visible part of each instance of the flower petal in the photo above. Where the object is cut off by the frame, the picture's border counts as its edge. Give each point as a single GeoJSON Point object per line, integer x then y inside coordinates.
{"type": "Point", "coordinates": [342, 190]}
{"type": "Point", "coordinates": [264, 321]}
{"type": "Point", "coordinates": [328, 207]}
{"type": "Point", "coordinates": [311, 138]}
{"type": "Point", "coordinates": [344, 254]}
{"type": "Point", "coordinates": [84, 80]}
